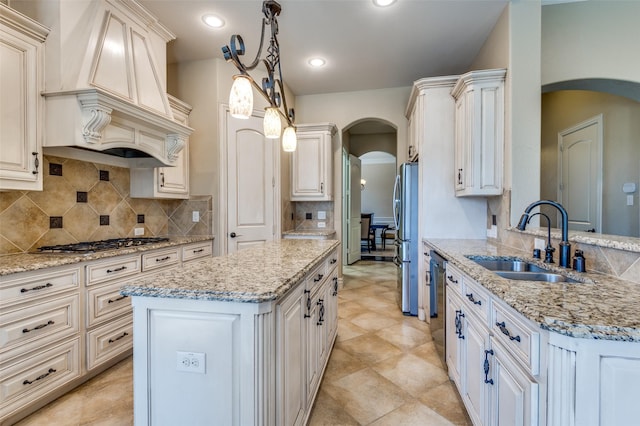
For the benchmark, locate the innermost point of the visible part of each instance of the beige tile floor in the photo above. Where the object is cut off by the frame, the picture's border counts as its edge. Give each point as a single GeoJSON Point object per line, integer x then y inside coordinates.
{"type": "Point", "coordinates": [384, 369]}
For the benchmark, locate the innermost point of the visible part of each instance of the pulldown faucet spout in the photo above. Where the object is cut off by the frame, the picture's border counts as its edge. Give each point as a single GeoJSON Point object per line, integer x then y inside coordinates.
{"type": "Point", "coordinates": [565, 246]}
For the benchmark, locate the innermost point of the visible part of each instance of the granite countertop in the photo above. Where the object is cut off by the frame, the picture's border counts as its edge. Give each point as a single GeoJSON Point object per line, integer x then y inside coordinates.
{"type": "Point", "coordinates": [311, 232]}
{"type": "Point", "coordinates": [600, 307]}
{"type": "Point", "coordinates": [23, 262]}
{"type": "Point", "coordinates": [255, 275]}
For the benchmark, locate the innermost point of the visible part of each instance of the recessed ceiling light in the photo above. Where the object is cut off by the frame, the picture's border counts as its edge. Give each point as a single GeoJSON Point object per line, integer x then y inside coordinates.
{"type": "Point", "coordinates": [317, 62]}
{"type": "Point", "coordinates": [383, 3]}
{"type": "Point", "coordinates": [213, 21]}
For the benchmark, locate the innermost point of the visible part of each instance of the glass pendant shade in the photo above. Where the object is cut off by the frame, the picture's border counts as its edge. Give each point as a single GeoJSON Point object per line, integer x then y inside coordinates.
{"type": "Point", "coordinates": [289, 139]}
{"type": "Point", "coordinates": [241, 97]}
{"type": "Point", "coordinates": [272, 125]}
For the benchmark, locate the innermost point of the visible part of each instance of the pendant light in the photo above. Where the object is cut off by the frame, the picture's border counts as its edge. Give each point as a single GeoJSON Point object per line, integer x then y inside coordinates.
{"type": "Point", "coordinates": [241, 97]}
{"type": "Point", "coordinates": [289, 139]}
{"type": "Point", "coordinates": [272, 125]}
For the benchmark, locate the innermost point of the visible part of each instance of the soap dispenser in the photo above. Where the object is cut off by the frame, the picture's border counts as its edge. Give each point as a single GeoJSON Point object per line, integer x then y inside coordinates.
{"type": "Point", "coordinates": [579, 262]}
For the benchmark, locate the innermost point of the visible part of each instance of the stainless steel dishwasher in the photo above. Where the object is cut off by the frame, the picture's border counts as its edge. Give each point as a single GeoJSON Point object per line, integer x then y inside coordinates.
{"type": "Point", "coordinates": [436, 295]}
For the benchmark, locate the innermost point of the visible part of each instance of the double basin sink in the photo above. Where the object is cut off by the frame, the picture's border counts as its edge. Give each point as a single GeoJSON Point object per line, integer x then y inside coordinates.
{"type": "Point", "coordinates": [515, 269]}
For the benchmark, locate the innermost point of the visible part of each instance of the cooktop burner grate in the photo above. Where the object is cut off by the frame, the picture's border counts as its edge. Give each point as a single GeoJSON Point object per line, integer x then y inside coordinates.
{"type": "Point", "coordinates": [93, 246]}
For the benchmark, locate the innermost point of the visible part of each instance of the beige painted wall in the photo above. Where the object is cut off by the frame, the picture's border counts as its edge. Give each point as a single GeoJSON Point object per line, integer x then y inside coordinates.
{"type": "Point", "coordinates": [385, 142]}
{"type": "Point", "coordinates": [621, 150]}
{"type": "Point", "coordinates": [591, 39]}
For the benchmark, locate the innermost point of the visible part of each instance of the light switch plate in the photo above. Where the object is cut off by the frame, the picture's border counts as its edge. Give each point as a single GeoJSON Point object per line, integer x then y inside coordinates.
{"type": "Point", "coordinates": [322, 214]}
{"type": "Point", "coordinates": [195, 216]}
{"type": "Point", "coordinates": [322, 225]}
{"type": "Point", "coordinates": [138, 231]}
{"type": "Point", "coordinates": [539, 243]}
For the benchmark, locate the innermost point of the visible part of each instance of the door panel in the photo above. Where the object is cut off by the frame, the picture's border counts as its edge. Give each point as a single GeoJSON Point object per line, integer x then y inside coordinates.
{"type": "Point", "coordinates": [354, 201]}
{"type": "Point", "coordinates": [250, 184]}
{"type": "Point", "coordinates": [580, 153]}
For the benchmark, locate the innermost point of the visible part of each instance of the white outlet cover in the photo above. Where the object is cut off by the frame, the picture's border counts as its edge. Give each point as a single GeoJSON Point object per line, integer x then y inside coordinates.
{"type": "Point", "coordinates": [322, 225]}
{"type": "Point", "coordinates": [539, 243]}
{"type": "Point", "coordinates": [322, 214]}
{"type": "Point", "coordinates": [192, 362]}
{"type": "Point", "coordinates": [138, 231]}
{"type": "Point", "coordinates": [195, 216]}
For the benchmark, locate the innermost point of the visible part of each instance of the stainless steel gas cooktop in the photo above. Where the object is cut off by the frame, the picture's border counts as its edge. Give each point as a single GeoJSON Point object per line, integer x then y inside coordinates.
{"type": "Point", "coordinates": [93, 246]}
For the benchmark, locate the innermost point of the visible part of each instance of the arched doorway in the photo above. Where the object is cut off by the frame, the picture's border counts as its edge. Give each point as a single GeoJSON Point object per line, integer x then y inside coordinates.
{"type": "Point", "coordinates": [361, 137]}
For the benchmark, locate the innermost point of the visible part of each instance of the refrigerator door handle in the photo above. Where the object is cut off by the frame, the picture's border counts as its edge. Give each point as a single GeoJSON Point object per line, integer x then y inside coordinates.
{"type": "Point", "coordinates": [396, 202]}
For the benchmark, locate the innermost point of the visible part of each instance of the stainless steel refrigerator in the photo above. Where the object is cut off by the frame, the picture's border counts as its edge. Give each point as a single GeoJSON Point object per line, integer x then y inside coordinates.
{"type": "Point", "coordinates": [405, 207]}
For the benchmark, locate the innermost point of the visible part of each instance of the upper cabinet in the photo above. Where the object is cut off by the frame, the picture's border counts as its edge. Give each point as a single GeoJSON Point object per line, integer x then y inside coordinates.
{"type": "Point", "coordinates": [21, 81]}
{"type": "Point", "coordinates": [166, 182]}
{"type": "Point", "coordinates": [312, 163]}
{"type": "Point", "coordinates": [479, 133]}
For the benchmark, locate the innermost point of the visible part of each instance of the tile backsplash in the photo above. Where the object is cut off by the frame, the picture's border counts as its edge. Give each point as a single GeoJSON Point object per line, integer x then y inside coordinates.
{"type": "Point", "coordinates": [304, 209]}
{"type": "Point", "coordinates": [84, 201]}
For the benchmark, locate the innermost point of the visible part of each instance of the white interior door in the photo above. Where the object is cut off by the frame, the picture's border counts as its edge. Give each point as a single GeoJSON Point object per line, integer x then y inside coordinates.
{"type": "Point", "coordinates": [354, 198]}
{"type": "Point", "coordinates": [251, 184]}
{"type": "Point", "coordinates": [580, 174]}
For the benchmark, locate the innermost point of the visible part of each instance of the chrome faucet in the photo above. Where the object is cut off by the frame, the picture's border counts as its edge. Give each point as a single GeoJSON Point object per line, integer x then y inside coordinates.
{"type": "Point", "coordinates": [565, 246]}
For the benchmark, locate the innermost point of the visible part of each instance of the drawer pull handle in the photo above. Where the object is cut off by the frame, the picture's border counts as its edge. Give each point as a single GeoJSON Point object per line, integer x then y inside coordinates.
{"type": "Point", "coordinates": [335, 286]}
{"type": "Point", "coordinates": [38, 287]}
{"type": "Point", "coordinates": [321, 312]}
{"type": "Point", "coordinates": [506, 332]}
{"type": "Point", "coordinates": [38, 327]}
{"type": "Point", "coordinates": [117, 299]}
{"type": "Point", "coordinates": [36, 163]}
{"type": "Point", "coordinates": [198, 251]}
{"type": "Point", "coordinates": [28, 382]}
{"type": "Point", "coordinates": [122, 268]}
{"type": "Point", "coordinates": [486, 366]}
{"type": "Point", "coordinates": [308, 314]}
{"type": "Point", "coordinates": [333, 261]}
{"type": "Point", "coordinates": [473, 300]}
{"type": "Point", "coordinates": [162, 259]}
{"type": "Point", "coordinates": [315, 280]}
{"type": "Point", "coordinates": [125, 334]}
{"type": "Point", "coordinates": [450, 278]}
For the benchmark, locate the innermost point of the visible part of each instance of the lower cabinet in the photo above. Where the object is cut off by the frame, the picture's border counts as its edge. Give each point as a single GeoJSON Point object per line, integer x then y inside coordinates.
{"type": "Point", "coordinates": [492, 356]}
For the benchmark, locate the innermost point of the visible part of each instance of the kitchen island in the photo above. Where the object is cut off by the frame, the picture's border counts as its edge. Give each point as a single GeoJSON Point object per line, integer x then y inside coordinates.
{"type": "Point", "coordinates": [539, 352]}
{"type": "Point", "coordinates": [241, 339]}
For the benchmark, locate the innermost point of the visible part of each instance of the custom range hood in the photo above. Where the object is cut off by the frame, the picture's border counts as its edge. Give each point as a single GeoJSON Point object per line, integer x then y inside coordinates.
{"type": "Point", "coordinates": [105, 83]}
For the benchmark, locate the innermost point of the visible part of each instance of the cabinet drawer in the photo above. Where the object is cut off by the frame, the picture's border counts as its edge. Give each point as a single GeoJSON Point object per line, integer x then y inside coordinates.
{"type": "Point", "coordinates": [160, 259]}
{"type": "Point", "coordinates": [33, 285]}
{"type": "Point", "coordinates": [197, 251]}
{"type": "Point", "coordinates": [521, 341]}
{"type": "Point", "coordinates": [332, 261]}
{"type": "Point", "coordinates": [476, 299]}
{"type": "Point", "coordinates": [114, 268]}
{"type": "Point", "coordinates": [453, 278]}
{"type": "Point", "coordinates": [33, 377]}
{"type": "Point", "coordinates": [316, 277]}
{"type": "Point", "coordinates": [41, 322]}
{"type": "Point", "coordinates": [108, 341]}
{"type": "Point", "coordinates": [104, 302]}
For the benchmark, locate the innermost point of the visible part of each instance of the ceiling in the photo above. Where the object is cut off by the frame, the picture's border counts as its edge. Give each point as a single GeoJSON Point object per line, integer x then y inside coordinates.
{"type": "Point", "coordinates": [366, 47]}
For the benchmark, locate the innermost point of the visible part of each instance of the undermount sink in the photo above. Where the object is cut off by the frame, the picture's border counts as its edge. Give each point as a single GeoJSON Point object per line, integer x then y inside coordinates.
{"type": "Point", "coordinates": [549, 277]}
{"type": "Point", "coordinates": [515, 269]}
{"type": "Point", "coordinates": [508, 265]}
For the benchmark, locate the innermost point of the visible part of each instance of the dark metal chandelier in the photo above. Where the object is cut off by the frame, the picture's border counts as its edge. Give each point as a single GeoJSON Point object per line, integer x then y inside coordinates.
{"type": "Point", "coordinates": [272, 88]}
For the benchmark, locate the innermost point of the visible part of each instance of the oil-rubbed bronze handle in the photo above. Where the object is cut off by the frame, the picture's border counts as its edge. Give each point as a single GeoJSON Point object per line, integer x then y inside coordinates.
{"type": "Point", "coordinates": [28, 382]}
{"type": "Point", "coordinates": [162, 259]}
{"type": "Point", "coordinates": [450, 278]}
{"type": "Point", "coordinates": [117, 299]}
{"type": "Point", "coordinates": [122, 268]}
{"type": "Point", "coordinates": [38, 327]}
{"type": "Point", "coordinates": [38, 287]}
{"type": "Point", "coordinates": [161, 180]}
{"type": "Point", "coordinates": [503, 329]}
{"type": "Point", "coordinates": [198, 251]}
{"type": "Point", "coordinates": [315, 280]}
{"type": "Point", "coordinates": [36, 163]}
{"type": "Point", "coordinates": [125, 334]}
{"type": "Point", "coordinates": [473, 300]}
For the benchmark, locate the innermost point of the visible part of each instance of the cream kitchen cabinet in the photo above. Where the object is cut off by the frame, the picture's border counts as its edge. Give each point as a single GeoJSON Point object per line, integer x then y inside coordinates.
{"type": "Point", "coordinates": [312, 163]}
{"type": "Point", "coordinates": [479, 133]}
{"type": "Point", "coordinates": [61, 326]}
{"type": "Point", "coordinates": [21, 106]}
{"type": "Point", "coordinates": [493, 355]}
{"type": "Point", "coordinates": [166, 182]}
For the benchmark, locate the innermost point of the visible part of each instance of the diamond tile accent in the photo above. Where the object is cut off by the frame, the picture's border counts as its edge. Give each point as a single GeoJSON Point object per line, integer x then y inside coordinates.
{"type": "Point", "coordinates": [104, 175]}
{"type": "Point", "coordinates": [55, 222]}
{"type": "Point", "coordinates": [82, 197]}
{"type": "Point", "coordinates": [104, 220]}
{"type": "Point", "coordinates": [55, 169]}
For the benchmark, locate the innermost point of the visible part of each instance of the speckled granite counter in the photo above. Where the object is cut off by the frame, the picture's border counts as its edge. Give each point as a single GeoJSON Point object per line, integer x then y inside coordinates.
{"type": "Point", "coordinates": [254, 275]}
{"type": "Point", "coordinates": [14, 263]}
{"type": "Point", "coordinates": [310, 233]}
{"type": "Point", "coordinates": [602, 307]}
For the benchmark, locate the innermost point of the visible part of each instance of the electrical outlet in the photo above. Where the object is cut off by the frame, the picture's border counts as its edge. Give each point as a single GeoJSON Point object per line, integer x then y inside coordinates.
{"type": "Point", "coordinates": [322, 215]}
{"type": "Point", "coordinates": [192, 362]}
{"type": "Point", "coordinates": [322, 225]}
{"type": "Point", "coordinates": [629, 200]}
{"type": "Point", "coordinates": [539, 243]}
{"type": "Point", "coordinates": [195, 216]}
{"type": "Point", "coordinates": [138, 231]}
